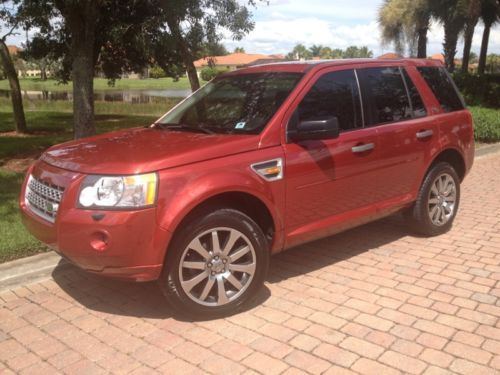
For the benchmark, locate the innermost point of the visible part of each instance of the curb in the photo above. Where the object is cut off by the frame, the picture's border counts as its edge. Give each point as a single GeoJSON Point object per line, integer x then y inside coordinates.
{"type": "Point", "coordinates": [486, 150]}
{"type": "Point", "coordinates": [39, 267]}
{"type": "Point", "coordinates": [29, 270]}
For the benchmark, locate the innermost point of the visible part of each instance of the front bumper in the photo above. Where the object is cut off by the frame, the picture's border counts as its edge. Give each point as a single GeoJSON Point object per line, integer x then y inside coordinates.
{"type": "Point", "coordinates": [121, 244]}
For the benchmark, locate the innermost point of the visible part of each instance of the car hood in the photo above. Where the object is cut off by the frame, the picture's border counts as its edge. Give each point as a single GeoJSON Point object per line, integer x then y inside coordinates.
{"type": "Point", "coordinates": [144, 150]}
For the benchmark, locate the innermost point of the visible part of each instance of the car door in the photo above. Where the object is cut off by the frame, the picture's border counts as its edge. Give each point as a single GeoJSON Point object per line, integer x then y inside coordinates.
{"type": "Point", "coordinates": [406, 135]}
{"type": "Point", "coordinates": [329, 182]}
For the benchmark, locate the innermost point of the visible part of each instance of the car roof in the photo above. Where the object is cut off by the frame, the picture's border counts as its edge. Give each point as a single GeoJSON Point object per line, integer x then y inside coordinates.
{"type": "Point", "coordinates": [306, 66]}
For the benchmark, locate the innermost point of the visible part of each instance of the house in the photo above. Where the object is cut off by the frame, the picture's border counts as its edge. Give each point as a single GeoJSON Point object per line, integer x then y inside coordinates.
{"type": "Point", "coordinates": [234, 61]}
{"type": "Point", "coordinates": [13, 50]}
{"type": "Point", "coordinates": [390, 55]}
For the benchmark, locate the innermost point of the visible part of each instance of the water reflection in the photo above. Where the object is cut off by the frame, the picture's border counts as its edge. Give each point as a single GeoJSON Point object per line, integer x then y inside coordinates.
{"type": "Point", "coordinates": [128, 96]}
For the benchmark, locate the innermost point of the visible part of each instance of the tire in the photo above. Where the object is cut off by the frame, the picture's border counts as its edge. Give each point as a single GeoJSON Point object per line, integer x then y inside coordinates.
{"type": "Point", "coordinates": [437, 201]}
{"type": "Point", "coordinates": [207, 281]}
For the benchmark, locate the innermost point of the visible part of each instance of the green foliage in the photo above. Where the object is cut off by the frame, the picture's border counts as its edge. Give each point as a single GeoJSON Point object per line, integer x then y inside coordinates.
{"type": "Point", "coordinates": [487, 124]}
{"type": "Point", "coordinates": [156, 72]}
{"type": "Point", "coordinates": [239, 50]}
{"type": "Point", "coordinates": [208, 73]}
{"type": "Point", "coordinates": [301, 52]}
{"type": "Point", "coordinates": [481, 90]}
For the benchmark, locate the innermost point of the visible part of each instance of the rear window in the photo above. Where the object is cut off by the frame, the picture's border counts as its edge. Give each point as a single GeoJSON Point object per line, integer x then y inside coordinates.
{"type": "Point", "coordinates": [384, 95]}
{"type": "Point", "coordinates": [334, 94]}
{"type": "Point", "coordinates": [416, 100]}
{"type": "Point", "coordinates": [443, 88]}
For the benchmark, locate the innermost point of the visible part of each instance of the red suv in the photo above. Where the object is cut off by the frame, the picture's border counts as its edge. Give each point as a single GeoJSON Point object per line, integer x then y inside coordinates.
{"type": "Point", "coordinates": [255, 162]}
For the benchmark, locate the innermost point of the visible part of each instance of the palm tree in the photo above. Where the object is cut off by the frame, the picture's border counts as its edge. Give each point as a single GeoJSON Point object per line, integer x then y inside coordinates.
{"type": "Point", "coordinates": [451, 14]}
{"type": "Point", "coordinates": [316, 50]}
{"type": "Point", "coordinates": [472, 13]}
{"type": "Point", "coordinates": [405, 23]}
{"type": "Point", "coordinates": [490, 14]}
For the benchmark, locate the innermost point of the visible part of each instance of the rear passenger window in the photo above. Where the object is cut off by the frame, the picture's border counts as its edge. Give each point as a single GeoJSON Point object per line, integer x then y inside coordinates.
{"type": "Point", "coordinates": [384, 95]}
{"type": "Point", "coordinates": [335, 94]}
{"type": "Point", "coordinates": [416, 101]}
{"type": "Point", "coordinates": [443, 88]}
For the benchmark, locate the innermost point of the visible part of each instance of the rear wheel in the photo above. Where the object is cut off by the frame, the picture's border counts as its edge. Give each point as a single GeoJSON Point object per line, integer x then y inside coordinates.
{"type": "Point", "coordinates": [215, 264]}
{"type": "Point", "coordinates": [437, 202]}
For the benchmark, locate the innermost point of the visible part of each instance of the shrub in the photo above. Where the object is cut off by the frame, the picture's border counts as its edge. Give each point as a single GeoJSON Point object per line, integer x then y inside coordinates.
{"type": "Point", "coordinates": [209, 73]}
{"type": "Point", "coordinates": [487, 124]}
{"type": "Point", "coordinates": [157, 72]}
{"type": "Point", "coordinates": [481, 90]}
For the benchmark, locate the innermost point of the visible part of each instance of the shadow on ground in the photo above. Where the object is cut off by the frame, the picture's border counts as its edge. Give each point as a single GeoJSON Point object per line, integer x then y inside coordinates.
{"type": "Point", "coordinates": [145, 300]}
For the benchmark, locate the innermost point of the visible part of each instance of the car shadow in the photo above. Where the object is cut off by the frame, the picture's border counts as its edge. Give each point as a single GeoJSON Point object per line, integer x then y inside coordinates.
{"type": "Point", "coordinates": [145, 300]}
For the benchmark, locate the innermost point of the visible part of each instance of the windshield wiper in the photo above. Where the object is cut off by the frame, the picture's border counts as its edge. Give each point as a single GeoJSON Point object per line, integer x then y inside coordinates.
{"type": "Point", "coordinates": [184, 127]}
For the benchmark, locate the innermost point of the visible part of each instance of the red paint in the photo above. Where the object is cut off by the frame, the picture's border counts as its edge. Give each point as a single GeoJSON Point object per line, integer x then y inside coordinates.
{"type": "Point", "coordinates": [326, 188]}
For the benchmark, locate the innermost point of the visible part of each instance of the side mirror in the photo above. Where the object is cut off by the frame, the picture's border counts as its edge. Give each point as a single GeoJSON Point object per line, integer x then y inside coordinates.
{"type": "Point", "coordinates": [315, 130]}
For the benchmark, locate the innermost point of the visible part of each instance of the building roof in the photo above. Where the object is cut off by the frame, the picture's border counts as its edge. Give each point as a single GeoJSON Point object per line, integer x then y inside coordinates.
{"type": "Point", "coordinates": [13, 50]}
{"type": "Point", "coordinates": [235, 59]}
{"type": "Point", "coordinates": [390, 55]}
{"type": "Point", "coordinates": [438, 56]}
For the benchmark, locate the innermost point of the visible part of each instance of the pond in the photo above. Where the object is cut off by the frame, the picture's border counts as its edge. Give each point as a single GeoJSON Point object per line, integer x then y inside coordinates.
{"type": "Point", "coordinates": [127, 96]}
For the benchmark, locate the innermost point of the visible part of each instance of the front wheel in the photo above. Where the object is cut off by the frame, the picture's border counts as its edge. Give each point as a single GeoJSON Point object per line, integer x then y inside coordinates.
{"type": "Point", "coordinates": [437, 201]}
{"type": "Point", "coordinates": [215, 264]}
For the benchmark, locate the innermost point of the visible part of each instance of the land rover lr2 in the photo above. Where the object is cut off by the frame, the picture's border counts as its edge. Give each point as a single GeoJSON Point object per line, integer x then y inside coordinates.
{"type": "Point", "coordinates": [257, 161]}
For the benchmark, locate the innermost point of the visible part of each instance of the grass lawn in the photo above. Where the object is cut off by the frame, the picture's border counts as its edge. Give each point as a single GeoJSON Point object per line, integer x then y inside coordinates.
{"type": "Point", "coordinates": [51, 123]}
{"type": "Point", "coordinates": [36, 84]}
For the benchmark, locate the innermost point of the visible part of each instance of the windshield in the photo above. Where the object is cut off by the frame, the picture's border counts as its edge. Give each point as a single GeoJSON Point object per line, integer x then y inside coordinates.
{"type": "Point", "coordinates": [242, 103]}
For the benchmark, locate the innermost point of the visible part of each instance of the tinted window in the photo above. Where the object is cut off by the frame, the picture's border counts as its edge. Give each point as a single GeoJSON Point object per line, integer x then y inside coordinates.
{"type": "Point", "coordinates": [442, 86]}
{"type": "Point", "coordinates": [384, 95]}
{"type": "Point", "coordinates": [416, 101]}
{"type": "Point", "coordinates": [334, 94]}
{"type": "Point", "coordinates": [241, 103]}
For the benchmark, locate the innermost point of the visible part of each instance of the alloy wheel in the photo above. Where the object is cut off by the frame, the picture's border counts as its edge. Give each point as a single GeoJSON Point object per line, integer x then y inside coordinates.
{"type": "Point", "coordinates": [217, 266]}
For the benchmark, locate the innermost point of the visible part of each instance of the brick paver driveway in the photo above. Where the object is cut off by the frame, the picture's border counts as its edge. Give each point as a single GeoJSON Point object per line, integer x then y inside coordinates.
{"type": "Point", "coordinates": [374, 300]}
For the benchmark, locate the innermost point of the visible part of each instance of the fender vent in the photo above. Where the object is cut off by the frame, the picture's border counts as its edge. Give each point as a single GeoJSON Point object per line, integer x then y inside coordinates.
{"type": "Point", "coordinates": [269, 170]}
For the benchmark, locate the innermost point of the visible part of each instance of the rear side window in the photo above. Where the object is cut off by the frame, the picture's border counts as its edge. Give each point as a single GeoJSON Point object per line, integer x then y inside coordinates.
{"type": "Point", "coordinates": [384, 95]}
{"type": "Point", "coordinates": [443, 88]}
{"type": "Point", "coordinates": [335, 94]}
{"type": "Point", "coordinates": [416, 100]}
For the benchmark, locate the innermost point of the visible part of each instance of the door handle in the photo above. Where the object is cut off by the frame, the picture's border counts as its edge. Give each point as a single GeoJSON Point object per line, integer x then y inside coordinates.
{"type": "Point", "coordinates": [363, 148]}
{"type": "Point", "coordinates": [424, 134]}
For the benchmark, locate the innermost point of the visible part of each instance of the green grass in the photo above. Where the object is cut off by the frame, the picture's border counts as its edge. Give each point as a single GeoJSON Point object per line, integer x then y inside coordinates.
{"type": "Point", "coordinates": [35, 84]}
{"type": "Point", "coordinates": [487, 124]}
{"type": "Point", "coordinates": [16, 241]}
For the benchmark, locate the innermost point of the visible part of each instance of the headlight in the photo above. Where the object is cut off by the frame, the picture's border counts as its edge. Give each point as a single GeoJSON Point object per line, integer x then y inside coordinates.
{"type": "Point", "coordinates": [118, 191]}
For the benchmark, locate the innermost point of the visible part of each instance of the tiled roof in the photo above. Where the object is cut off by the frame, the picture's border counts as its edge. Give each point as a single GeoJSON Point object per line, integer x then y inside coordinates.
{"type": "Point", "coordinates": [235, 59]}
{"type": "Point", "coordinates": [390, 55]}
{"type": "Point", "coordinates": [13, 50]}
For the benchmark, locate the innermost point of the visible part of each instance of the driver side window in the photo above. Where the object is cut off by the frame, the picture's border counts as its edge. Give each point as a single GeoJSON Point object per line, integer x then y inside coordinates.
{"type": "Point", "coordinates": [335, 94]}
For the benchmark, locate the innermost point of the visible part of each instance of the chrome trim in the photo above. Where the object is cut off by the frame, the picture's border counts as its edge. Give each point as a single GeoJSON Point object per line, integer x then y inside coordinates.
{"type": "Point", "coordinates": [261, 166]}
{"type": "Point", "coordinates": [43, 199]}
{"type": "Point", "coordinates": [424, 134]}
{"type": "Point", "coordinates": [363, 148]}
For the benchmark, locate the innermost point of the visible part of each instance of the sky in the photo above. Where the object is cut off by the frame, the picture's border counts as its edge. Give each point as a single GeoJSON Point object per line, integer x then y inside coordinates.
{"type": "Point", "coordinates": [281, 24]}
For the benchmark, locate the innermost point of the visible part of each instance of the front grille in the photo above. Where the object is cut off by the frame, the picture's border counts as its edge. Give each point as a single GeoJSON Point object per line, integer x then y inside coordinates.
{"type": "Point", "coordinates": [43, 199]}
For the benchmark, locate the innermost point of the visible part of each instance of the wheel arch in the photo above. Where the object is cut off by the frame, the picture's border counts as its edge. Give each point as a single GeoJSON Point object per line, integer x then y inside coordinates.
{"type": "Point", "coordinates": [453, 157]}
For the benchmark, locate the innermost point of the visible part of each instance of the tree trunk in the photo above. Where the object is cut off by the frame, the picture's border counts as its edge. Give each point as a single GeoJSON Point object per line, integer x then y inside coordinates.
{"type": "Point", "coordinates": [450, 45]}
{"type": "Point", "coordinates": [484, 49]}
{"type": "Point", "coordinates": [468, 35]}
{"type": "Point", "coordinates": [422, 43]}
{"type": "Point", "coordinates": [82, 21]}
{"type": "Point", "coordinates": [192, 74]}
{"type": "Point", "coordinates": [185, 53]}
{"type": "Point", "coordinates": [15, 88]}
